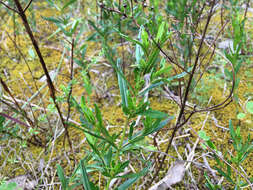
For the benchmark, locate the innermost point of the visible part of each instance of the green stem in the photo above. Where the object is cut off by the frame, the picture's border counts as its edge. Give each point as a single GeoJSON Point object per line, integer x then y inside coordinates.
{"type": "Point", "coordinates": [119, 149]}
{"type": "Point", "coordinates": [108, 184]}
{"type": "Point", "coordinates": [122, 138]}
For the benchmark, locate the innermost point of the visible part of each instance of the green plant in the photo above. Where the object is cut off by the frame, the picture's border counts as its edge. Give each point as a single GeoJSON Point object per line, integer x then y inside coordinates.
{"type": "Point", "coordinates": [108, 148]}
{"type": "Point", "coordinates": [249, 107]}
{"type": "Point", "coordinates": [229, 165]}
{"type": "Point", "coordinates": [9, 186]}
{"type": "Point", "coordinates": [168, 52]}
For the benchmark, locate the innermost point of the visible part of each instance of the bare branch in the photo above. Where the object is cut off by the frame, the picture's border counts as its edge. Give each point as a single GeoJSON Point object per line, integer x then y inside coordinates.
{"type": "Point", "coordinates": [7, 6]}
{"type": "Point", "coordinates": [27, 6]}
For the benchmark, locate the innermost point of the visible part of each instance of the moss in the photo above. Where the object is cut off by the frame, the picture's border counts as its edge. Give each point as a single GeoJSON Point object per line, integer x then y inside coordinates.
{"type": "Point", "coordinates": [113, 114]}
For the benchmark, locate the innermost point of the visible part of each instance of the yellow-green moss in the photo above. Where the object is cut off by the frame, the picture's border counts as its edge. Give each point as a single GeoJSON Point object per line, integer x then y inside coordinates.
{"type": "Point", "coordinates": [112, 114]}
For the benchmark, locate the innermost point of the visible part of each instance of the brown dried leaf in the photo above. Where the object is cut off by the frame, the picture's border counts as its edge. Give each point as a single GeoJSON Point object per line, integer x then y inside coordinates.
{"type": "Point", "coordinates": [174, 175]}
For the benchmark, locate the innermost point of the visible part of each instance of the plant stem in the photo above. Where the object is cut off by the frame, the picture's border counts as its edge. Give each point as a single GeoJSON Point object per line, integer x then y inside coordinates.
{"type": "Point", "coordinates": [108, 184]}
{"type": "Point", "coordinates": [118, 151]}
{"type": "Point", "coordinates": [122, 138]}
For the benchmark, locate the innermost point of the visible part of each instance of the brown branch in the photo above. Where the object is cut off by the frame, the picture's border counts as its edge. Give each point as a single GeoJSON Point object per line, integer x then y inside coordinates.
{"type": "Point", "coordinates": [212, 54]}
{"type": "Point", "coordinates": [23, 113]}
{"type": "Point", "coordinates": [227, 101]}
{"type": "Point", "coordinates": [8, 7]}
{"type": "Point", "coordinates": [25, 140]}
{"type": "Point", "coordinates": [181, 114]}
{"type": "Point", "coordinates": [35, 84]}
{"type": "Point", "coordinates": [14, 119]}
{"type": "Point", "coordinates": [71, 77]}
{"type": "Point", "coordinates": [102, 6]}
{"type": "Point", "coordinates": [27, 6]}
{"type": "Point", "coordinates": [43, 64]}
{"type": "Point", "coordinates": [246, 10]}
{"type": "Point", "coordinates": [163, 52]}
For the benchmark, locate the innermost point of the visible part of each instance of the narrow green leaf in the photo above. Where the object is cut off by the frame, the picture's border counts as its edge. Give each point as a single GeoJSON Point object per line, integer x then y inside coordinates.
{"type": "Point", "coordinates": [154, 114]}
{"type": "Point", "coordinates": [89, 138]}
{"type": "Point", "coordinates": [211, 145]}
{"type": "Point", "coordinates": [144, 38]}
{"type": "Point", "coordinates": [83, 103]}
{"type": "Point", "coordinates": [159, 83]}
{"type": "Point", "coordinates": [138, 49]}
{"type": "Point", "coordinates": [122, 87]}
{"type": "Point", "coordinates": [160, 31]}
{"type": "Point", "coordinates": [52, 19]}
{"type": "Point", "coordinates": [62, 28]}
{"type": "Point", "coordinates": [108, 157]}
{"type": "Point", "coordinates": [85, 179]}
{"type": "Point", "coordinates": [96, 28]}
{"type": "Point", "coordinates": [53, 4]}
{"type": "Point", "coordinates": [238, 132]}
{"type": "Point", "coordinates": [62, 178]}
{"type": "Point", "coordinates": [133, 140]}
{"type": "Point", "coordinates": [209, 184]}
{"type": "Point", "coordinates": [53, 34]}
{"type": "Point", "coordinates": [131, 130]}
{"type": "Point", "coordinates": [127, 183]}
{"type": "Point", "coordinates": [67, 4]}
{"type": "Point", "coordinates": [122, 166]}
{"type": "Point", "coordinates": [96, 151]}
{"type": "Point", "coordinates": [231, 130]}
{"type": "Point", "coordinates": [162, 71]}
{"type": "Point", "coordinates": [100, 125]}
{"type": "Point", "coordinates": [152, 60]}
{"type": "Point", "coordinates": [141, 107]}
{"type": "Point", "coordinates": [95, 135]}
{"type": "Point", "coordinates": [160, 125]}
{"type": "Point", "coordinates": [224, 174]}
{"type": "Point", "coordinates": [181, 75]}
{"type": "Point", "coordinates": [131, 40]}
{"type": "Point", "coordinates": [154, 85]}
{"type": "Point", "coordinates": [131, 181]}
{"type": "Point", "coordinates": [74, 26]}
{"type": "Point", "coordinates": [2, 119]}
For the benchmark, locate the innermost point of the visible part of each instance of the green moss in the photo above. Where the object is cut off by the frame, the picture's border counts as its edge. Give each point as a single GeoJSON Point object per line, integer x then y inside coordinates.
{"type": "Point", "coordinates": [113, 115]}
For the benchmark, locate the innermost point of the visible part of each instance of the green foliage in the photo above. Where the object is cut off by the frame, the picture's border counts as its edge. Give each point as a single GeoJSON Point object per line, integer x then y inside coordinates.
{"type": "Point", "coordinates": [240, 152]}
{"type": "Point", "coordinates": [2, 119]}
{"type": "Point", "coordinates": [168, 50]}
{"type": "Point", "coordinates": [249, 107]}
{"type": "Point", "coordinates": [9, 186]}
{"type": "Point", "coordinates": [242, 149]}
{"type": "Point", "coordinates": [78, 177]}
{"type": "Point", "coordinates": [105, 151]}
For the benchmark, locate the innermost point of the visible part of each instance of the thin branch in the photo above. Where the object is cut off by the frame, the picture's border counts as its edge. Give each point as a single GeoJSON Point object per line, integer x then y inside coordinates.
{"type": "Point", "coordinates": [163, 52]}
{"type": "Point", "coordinates": [14, 119]}
{"type": "Point", "coordinates": [27, 6]}
{"type": "Point", "coordinates": [23, 113]}
{"type": "Point", "coordinates": [181, 114]}
{"type": "Point", "coordinates": [35, 84]}
{"type": "Point", "coordinates": [43, 64]}
{"type": "Point", "coordinates": [246, 10]}
{"type": "Point", "coordinates": [8, 7]}
{"type": "Point", "coordinates": [102, 6]}
{"type": "Point", "coordinates": [71, 77]}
